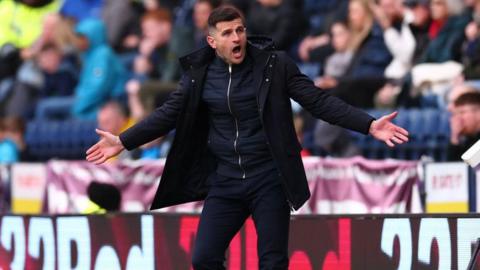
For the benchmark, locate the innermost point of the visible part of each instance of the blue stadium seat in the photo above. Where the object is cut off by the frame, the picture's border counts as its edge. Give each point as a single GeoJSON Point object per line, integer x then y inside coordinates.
{"type": "Point", "coordinates": [60, 139]}
{"type": "Point", "coordinates": [429, 132]}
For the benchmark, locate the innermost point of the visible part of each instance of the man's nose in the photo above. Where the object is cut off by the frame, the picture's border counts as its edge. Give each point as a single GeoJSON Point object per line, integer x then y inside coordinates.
{"type": "Point", "coordinates": [235, 37]}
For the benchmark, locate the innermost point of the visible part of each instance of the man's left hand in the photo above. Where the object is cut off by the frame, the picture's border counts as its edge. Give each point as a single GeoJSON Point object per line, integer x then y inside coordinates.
{"type": "Point", "coordinates": [384, 130]}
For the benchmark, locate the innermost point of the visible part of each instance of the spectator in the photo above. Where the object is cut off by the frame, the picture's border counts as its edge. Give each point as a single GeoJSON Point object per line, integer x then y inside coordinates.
{"type": "Point", "coordinates": [154, 61]}
{"type": "Point", "coordinates": [420, 9]}
{"type": "Point", "coordinates": [50, 65]}
{"type": "Point", "coordinates": [365, 74]}
{"type": "Point", "coordinates": [102, 76]}
{"type": "Point", "coordinates": [8, 148]}
{"type": "Point", "coordinates": [20, 21]}
{"type": "Point", "coordinates": [186, 38]}
{"type": "Point", "coordinates": [281, 20]}
{"type": "Point", "coordinates": [440, 67]}
{"type": "Point", "coordinates": [371, 54]}
{"type": "Point", "coordinates": [123, 32]}
{"type": "Point", "coordinates": [52, 80]}
{"type": "Point", "coordinates": [15, 131]}
{"type": "Point", "coordinates": [445, 32]}
{"type": "Point", "coordinates": [57, 30]}
{"type": "Point", "coordinates": [332, 140]}
{"type": "Point", "coordinates": [201, 11]}
{"type": "Point", "coordinates": [114, 117]}
{"type": "Point", "coordinates": [316, 45]}
{"type": "Point", "coordinates": [399, 39]}
{"type": "Point", "coordinates": [151, 59]}
{"type": "Point", "coordinates": [471, 48]}
{"type": "Point", "coordinates": [464, 124]}
{"type": "Point", "coordinates": [456, 92]}
{"type": "Point", "coordinates": [337, 63]}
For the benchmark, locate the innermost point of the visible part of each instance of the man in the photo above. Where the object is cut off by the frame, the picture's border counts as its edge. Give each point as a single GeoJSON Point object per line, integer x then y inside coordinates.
{"type": "Point", "coordinates": [235, 145]}
{"type": "Point", "coordinates": [113, 117]}
{"type": "Point", "coordinates": [464, 124]}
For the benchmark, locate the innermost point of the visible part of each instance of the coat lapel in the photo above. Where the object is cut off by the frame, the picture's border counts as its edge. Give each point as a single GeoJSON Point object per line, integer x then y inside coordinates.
{"type": "Point", "coordinates": [261, 59]}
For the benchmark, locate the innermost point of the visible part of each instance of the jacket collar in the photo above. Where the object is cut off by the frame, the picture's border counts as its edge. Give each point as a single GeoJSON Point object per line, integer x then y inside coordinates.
{"type": "Point", "coordinates": [256, 46]}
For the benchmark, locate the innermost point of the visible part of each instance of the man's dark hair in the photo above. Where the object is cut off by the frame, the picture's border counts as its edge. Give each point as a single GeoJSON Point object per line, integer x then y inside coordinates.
{"type": "Point", "coordinates": [225, 13]}
{"type": "Point", "coordinates": [471, 98]}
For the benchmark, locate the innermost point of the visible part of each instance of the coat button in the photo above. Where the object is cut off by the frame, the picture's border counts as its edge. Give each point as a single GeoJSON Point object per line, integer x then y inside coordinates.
{"type": "Point", "coordinates": [267, 79]}
{"type": "Point", "coordinates": [193, 80]}
{"type": "Point", "coordinates": [271, 65]}
{"type": "Point", "coordinates": [273, 56]}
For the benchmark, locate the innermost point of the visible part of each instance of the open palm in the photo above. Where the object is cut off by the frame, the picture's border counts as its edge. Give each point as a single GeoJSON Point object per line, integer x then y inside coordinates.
{"type": "Point", "coordinates": [384, 130]}
{"type": "Point", "coordinates": [108, 146]}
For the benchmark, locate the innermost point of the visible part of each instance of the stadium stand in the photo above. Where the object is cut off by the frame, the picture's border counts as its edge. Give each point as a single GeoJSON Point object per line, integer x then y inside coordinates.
{"type": "Point", "coordinates": [67, 139]}
{"type": "Point", "coordinates": [429, 132]}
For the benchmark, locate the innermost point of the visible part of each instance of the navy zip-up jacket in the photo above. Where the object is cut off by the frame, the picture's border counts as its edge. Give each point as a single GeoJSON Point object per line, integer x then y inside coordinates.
{"type": "Point", "coordinates": [236, 137]}
{"type": "Point", "coordinates": [276, 79]}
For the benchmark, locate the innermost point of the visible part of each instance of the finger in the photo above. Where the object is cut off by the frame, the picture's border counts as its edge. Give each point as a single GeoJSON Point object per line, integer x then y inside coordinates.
{"type": "Point", "coordinates": [389, 143]}
{"type": "Point", "coordinates": [94, 156]}
{"type": "Point", "coordinates": [101, 132]}
{"type": "Point", "coordinates": [401, 137]}
{"type": "Point", "coordinates": [391, 116]}
{"type": "Point", "coordinates": [100, 161]}
{"type": "Point", "coordinates": [402, 131]}
{"type": "Point", "coordinates": [397, 140]}
{"type": "Point", "coordinates": [92, 149]}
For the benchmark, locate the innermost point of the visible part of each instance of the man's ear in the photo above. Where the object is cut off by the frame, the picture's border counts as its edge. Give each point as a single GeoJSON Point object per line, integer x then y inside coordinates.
{"type": "Point", "coordinates": [211, 42]}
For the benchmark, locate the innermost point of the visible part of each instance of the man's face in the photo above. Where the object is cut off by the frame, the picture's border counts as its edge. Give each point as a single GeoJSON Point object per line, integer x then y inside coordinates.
{"type": "Point", "coordinates": [469, 117]}
{"type": "Point", "coordinates": [229, 40]}
{"type": "Point", "coordinates": [110, 120]}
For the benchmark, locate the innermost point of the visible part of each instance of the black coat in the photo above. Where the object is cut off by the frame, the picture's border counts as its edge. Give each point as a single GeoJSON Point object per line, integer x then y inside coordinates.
{"type": "Point", "coordinates": [277, 79]}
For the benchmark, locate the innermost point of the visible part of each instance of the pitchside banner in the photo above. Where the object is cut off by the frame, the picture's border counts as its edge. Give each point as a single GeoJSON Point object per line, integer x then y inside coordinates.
{"type": "Point", "coordinates": [446, 186]}
{"type": "Point", "coordinates": [68, 181]}
{"type": "Point", "coordinates": [28, 187]}
{"type": "Point", "coordinates": [165, 241]}
{"type": "Point", "coordinates": [353, 185]}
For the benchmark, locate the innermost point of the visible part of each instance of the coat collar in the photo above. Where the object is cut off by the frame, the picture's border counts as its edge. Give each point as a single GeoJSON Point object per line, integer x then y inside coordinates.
{"type": "Point", "coordinates": [257, 47]}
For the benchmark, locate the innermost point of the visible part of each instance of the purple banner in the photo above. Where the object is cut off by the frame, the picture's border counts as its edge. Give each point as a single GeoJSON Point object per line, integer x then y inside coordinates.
{"type": "Point", "coordinates": [353, 185]}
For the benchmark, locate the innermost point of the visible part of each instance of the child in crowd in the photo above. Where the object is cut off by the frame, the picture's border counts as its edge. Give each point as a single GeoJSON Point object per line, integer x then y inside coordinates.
{"type": "Point", "coordinates": [337, 63]}
{"type": "Point", "coordinates": [8, 149]}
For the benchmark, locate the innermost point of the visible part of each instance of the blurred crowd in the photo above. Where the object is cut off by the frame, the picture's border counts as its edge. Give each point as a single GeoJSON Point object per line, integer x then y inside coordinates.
{"type": "Point", "coordinates": [114, 61]}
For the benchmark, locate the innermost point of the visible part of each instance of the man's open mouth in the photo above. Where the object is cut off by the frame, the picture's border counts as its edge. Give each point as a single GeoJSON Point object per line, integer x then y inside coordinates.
{"type": "Point", "coordinates": [237, 49]}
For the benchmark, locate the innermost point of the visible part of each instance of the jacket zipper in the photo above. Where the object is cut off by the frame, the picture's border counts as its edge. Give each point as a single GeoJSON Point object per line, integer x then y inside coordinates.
{"type": "Point", "coordinates": [236, 122]}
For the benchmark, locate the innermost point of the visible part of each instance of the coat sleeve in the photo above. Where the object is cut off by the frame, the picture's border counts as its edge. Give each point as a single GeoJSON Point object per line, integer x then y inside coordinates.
{"type": "Point", "coordinates": [158, 123]}
{"type": "Point", "coordinates": [321, 104]}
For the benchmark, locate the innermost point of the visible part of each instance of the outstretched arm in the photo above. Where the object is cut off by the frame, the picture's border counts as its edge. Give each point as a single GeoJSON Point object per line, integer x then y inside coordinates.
{"type": "Point", "coordinates": [384, 130]}
{"type": "Point", "coordinates": [108, 146]}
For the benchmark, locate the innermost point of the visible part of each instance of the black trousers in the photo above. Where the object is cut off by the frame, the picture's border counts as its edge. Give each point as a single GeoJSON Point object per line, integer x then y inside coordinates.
{"type": "Point", "coordinates": [229, 203]}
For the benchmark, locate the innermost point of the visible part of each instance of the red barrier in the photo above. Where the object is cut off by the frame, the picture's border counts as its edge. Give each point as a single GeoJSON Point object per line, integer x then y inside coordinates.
{"type": "Point", "coordinates": [165, 241]}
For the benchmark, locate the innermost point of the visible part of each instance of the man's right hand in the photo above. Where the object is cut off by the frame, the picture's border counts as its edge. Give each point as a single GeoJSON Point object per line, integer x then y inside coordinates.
{"type": "Point", "coordinates": [108, 146]}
